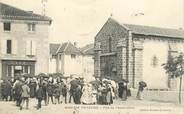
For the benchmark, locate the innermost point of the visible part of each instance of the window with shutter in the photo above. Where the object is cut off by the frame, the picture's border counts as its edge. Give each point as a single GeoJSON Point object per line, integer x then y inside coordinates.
{"type": "Point", "coordinates": [14, 48]}
{"type": "Point", "coordinates": [3, 46]}
{"type": "Point", "coordinates": [33, 48]}
{"type": "Point", "coordinates": [9, 47]}
{"type": "Point", "coordinates": [31, 27]}
{"type": "Point", "coordinates": [30, 48]}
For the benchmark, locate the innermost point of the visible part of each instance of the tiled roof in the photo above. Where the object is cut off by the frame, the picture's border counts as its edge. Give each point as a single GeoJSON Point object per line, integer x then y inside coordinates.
{"type": "Point", "coordinates": [62, 47]}
{"type": "Point", "coordinates": [70, 49]}
{"type": "Point", "coordinates": [88, 49]}
{"type": "Point", "coordinates": [54, 48]}
{"type": "Point", "coordinates": [67, 48]}
{"type": "Point", "coordinates": [153, 31]}
{"type": "Point", "coordinates": [10, 12]}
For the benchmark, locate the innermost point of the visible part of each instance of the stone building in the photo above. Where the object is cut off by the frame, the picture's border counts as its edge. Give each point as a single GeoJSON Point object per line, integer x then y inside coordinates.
{"type": "Point", "coordinates": [135, 53]}
{"type": "Point", "coordinates": [24, 42]}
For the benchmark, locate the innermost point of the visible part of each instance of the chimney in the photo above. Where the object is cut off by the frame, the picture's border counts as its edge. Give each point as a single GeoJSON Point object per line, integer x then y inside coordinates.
{"type": "Point", "coordinates": [75, 44]}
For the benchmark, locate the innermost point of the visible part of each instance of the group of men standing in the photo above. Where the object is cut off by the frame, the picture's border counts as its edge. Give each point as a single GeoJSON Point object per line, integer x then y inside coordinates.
{"type": "Point", "coordinates": [24, 88]}
{"type": "Point", "coordinates": [55, 90]}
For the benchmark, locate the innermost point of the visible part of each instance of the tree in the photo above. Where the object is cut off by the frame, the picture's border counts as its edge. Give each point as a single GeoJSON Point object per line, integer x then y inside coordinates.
{"type": "Point", "coordinates": [174, 68]}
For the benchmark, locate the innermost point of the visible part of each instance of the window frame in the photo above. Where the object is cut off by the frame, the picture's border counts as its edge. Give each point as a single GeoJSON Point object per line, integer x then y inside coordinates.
{"type": "Point", "coordinates": [5, 28]}
{"type": "Point", "coordinates": [8, 49]}
{"type": "Point", "coordinates": [31, 27]}
{"type": "Point", "coordinates": [73, 56]}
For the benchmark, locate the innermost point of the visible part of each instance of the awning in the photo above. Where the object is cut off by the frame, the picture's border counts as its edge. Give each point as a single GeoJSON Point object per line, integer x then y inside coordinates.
{"type": "Point", "coordinates": [14, 58]}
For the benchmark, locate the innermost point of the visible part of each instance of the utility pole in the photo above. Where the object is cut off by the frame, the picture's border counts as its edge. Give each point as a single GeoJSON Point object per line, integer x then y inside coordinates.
{"type": "Point", "coordinates": [44, 2]}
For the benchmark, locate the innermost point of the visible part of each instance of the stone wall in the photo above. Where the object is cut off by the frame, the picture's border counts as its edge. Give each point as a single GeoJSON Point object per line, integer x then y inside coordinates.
{"type": "Point", "coordinates": [137, 61]}
{"type": "Point", "coordinates": [97, 53]}
{"type": "Point", "coordinates": [111, 30]}
{"type": "Point", "coordinates": [121, 62]}
{"type": "Point", "coordinates": [135, 54]}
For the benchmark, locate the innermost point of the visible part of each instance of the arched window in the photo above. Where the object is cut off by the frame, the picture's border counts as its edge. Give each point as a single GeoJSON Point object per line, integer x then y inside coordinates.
{"type": "Point", "coordinates": [154, 61]}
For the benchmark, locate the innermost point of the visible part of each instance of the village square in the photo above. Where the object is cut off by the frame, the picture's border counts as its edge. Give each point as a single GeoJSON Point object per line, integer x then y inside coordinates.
{"type": "Point", "coordinates": [130, 66]}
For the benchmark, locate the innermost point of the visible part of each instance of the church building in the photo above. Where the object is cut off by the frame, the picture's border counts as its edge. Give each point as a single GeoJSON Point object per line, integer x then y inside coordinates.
{"type": "Point", "coordinates": [136, 53]}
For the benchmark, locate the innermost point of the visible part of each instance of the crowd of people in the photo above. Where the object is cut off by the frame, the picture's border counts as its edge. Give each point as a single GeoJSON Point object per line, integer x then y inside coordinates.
{"type": "Point", "coordinates": [57, 90]}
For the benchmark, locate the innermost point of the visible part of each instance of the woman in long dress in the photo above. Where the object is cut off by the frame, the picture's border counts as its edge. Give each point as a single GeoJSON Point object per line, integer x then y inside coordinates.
{"type": "Point", "coordinates": [109, 94]}
{"type": "Point", "coordinates": [104, 94]}
{"type": "Point", "coordinates": [86, 94]}
{"type": "Point", "coordinates": [142, 85]}
{"type": "Point", "coordinates": [99, 94]}
{"type": "Point", "coordinates": [94, 95]}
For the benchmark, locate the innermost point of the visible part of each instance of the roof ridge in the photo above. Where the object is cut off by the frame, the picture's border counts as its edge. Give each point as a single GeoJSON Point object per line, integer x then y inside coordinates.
{"type": "Point", "coordinates": [146, 30]}
{"type": "Point", "coordinates": [87, 49]}
{"type": "Point", "coordinates": [152, 26]}
{"type": "Point", "coordinates": [9, 11]}
{"type": "Point", "coordinates": [112, 19]}
{"type": "Point", "coordinates": [125, 25]}
{"type": "Point", "coordinates": [75, 47]}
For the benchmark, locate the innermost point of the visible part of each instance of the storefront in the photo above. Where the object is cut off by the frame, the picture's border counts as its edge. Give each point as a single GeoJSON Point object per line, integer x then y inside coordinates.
{"type": "Point", "coordinates": [13, 68]}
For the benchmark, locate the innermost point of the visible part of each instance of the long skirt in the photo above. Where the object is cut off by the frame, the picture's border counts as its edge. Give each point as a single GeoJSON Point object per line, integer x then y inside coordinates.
{"type": "Point", "coordinates": [139, 95]}
{"type": "Point", "coordinates": [124, 95]}
{"type": "Point", "coordinates": [99, 99]}
{"type": "Point", "coordinates": [104, 99]}
{"type": "Point", "coordinates": [109, 97]}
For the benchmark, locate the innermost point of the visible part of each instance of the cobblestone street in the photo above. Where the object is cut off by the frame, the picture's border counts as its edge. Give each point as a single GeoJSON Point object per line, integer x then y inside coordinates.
{"type": "Point", "coordinates": [130, 106]}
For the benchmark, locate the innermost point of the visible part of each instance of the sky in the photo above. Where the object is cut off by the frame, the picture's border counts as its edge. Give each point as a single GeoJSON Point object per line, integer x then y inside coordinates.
{"type": "Point", "coordinates": [80, 20]}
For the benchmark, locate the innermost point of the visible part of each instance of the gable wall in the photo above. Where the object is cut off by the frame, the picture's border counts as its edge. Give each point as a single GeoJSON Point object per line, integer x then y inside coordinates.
{"type": "Point", "coordinates": [115, 31]}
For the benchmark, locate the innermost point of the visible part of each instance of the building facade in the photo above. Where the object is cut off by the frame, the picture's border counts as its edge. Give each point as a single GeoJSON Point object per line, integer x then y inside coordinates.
{"type": "Point", "coordinates": [88, 61]}
{"type": "Point", "coordinates": [70, 60]}
{"type": "Point", "coordinates": [66, 59]}
{"type": "Point", "coordinates": [136, 53]}
{"type": "Point", "coordinates": [24, 42]}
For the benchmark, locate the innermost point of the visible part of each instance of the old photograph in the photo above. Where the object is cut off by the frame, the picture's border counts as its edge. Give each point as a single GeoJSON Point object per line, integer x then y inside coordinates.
{"type": "Point", "coordinates": [91, 56]}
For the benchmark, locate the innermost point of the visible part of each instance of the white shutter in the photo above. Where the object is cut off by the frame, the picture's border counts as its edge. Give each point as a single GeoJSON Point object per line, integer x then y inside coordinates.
{"type": "Point", "coordinates": [33, 48]}
{"type": "Point", "coordinates": [3, 46]}
{"type": "Point", "coordinates": [14, 46]}
{"type": "Point", "coordinates": [28, 47]}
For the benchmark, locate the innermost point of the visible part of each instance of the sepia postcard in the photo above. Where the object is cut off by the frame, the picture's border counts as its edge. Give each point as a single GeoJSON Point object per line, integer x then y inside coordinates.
{"type": "Point", "coordinates": [91, 56]}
